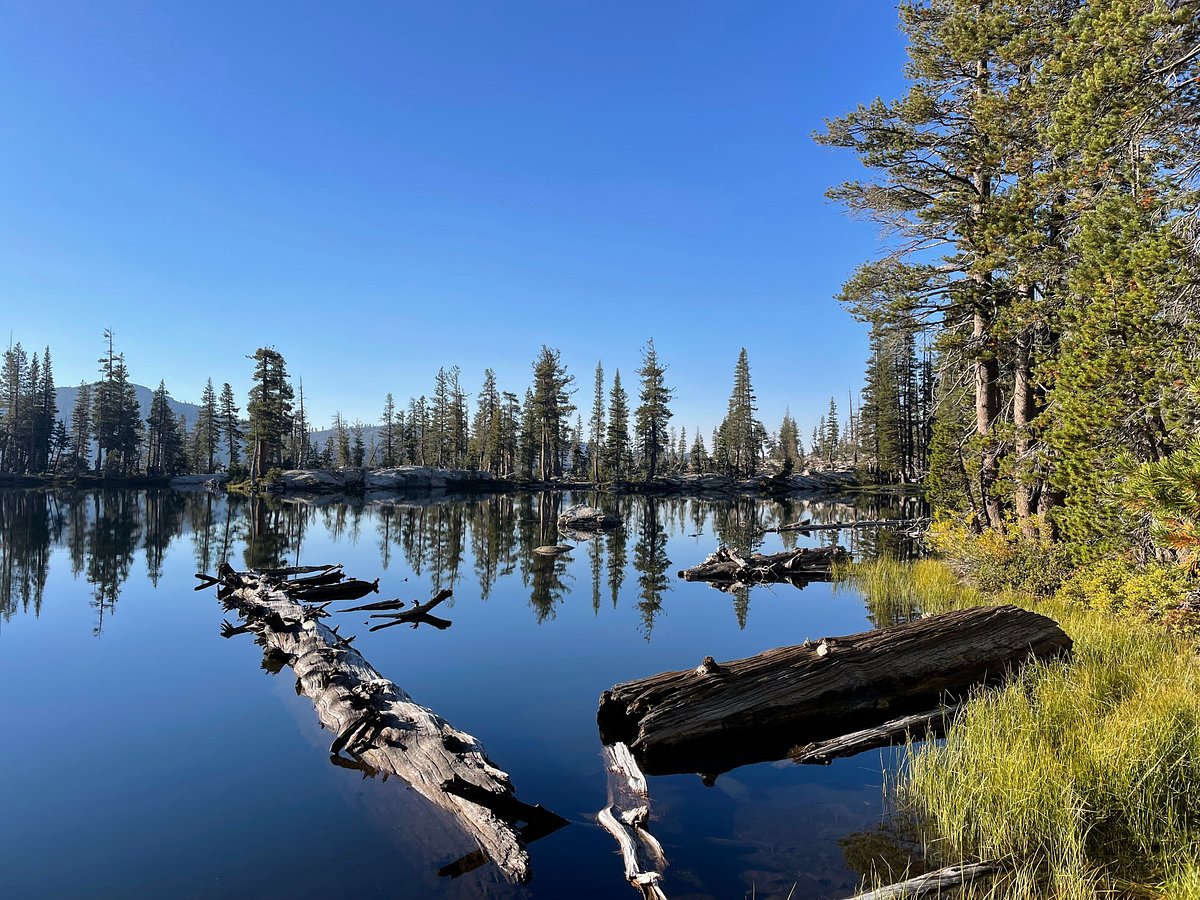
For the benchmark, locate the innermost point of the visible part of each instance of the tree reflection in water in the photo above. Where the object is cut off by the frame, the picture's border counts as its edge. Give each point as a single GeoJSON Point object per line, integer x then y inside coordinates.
{"type": "Point", "coordinates": [438, 538]}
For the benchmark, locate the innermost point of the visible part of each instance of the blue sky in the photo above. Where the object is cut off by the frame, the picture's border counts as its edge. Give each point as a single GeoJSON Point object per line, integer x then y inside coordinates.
{"type": "Point", "coordinates": [380, 189]}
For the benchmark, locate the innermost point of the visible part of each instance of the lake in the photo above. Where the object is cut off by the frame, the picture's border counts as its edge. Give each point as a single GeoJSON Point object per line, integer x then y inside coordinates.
{"type": "Point", "coordinates": [146, 755]}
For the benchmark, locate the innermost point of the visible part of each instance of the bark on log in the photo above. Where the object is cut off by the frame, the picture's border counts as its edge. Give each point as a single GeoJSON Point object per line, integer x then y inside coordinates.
{"type": "Point", "coordinates": [946, 879]}
{"type": "Point", "coordinates": [719, 716]}
{"type": "Point", "coordinates": [727, 567]}
{"type": "Point", "coordinates": [377, 725]}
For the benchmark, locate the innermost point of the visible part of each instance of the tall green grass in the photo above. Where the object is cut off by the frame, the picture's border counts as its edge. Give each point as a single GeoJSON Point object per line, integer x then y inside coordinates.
{"type": "Point", "coordinates": [1083, 775]}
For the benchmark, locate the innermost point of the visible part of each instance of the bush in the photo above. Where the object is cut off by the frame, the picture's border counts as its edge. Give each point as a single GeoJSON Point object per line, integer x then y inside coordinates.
{"type": "Point", "coordinates": [1157, 593]}
{"type": "Point", "coordinates": [995, 562]}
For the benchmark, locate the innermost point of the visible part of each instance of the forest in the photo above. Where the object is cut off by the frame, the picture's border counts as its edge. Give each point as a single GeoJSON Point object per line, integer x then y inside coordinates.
{"type": "Point", "coordinates": [540, 436]}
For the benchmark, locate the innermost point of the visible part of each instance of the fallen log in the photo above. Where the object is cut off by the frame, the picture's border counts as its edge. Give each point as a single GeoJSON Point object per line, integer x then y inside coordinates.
{"type": "Point", "coordinates": [417, 615]}
{"type": "Point", "coordinates": [806, 527]}
{"type": "Point", "coordinates": [722, 715]}
{"type": "Point", "coordinates": [919, 727]}
{"type": "Point", "coordinates": [946, 879]}
{"type": "Point", "coordinates": [378, 728]}
{"type": "Point", "coordinates": [725, 566]}
{"type": "Point", "coordinates": [626, 818]}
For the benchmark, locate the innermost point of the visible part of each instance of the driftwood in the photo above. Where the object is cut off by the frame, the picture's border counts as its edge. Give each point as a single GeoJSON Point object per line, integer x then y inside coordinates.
{"type": "Point", "coordinates": [626, 818]}
{"type": "Point", "coordinates": [919, 727]}
{"type": "Point", "coordinates": [805, 527]}
{"type": "Point", "coordinates": [587, 518]}
{"type": "Point", "coordinates": [351, 589]}
{"type": "Point", "coordinates": [719, 716]}
{"type": "Point", "coordinates": [726, 567]}
{"type": "Point", "coordinates": [378, 728]}
{"type": "Point", "coordinates": [417, 615]}
{"type": "Point", "coordinates": [946, 879]}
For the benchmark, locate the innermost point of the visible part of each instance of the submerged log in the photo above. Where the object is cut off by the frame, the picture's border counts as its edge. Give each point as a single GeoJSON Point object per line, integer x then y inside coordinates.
{"type": "Point", "coordinates": [918, 727]}
{"type": "Point", "coordinates": [806, 527]}
{"type": "Point", "coordinates": [626, 818]}
{"type": "Point", "coordinates": [377, 726]}
{"type": "Point", "coordinates": [727, 567]}
{"type": "Point", "coordinates": [722, 715]}
{"type": "Point", "coordinates": [936, 883]}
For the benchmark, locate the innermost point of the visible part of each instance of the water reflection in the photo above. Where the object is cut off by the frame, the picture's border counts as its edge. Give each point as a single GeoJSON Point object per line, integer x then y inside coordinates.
{"type": "Point", "coordinates": [477, 539]}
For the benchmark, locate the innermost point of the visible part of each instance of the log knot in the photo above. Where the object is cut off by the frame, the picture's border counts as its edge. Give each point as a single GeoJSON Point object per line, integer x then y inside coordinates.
{"type": "Point", "coordinates": [708, 666]}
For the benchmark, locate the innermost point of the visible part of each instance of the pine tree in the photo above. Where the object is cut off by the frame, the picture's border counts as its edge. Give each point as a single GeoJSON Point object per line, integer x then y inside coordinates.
{"type": "Point", "coordinates": [207, 433]}
{"type": "Point", "coordinates": [596, 433]}
{"type": "Point", "coordinates": [81, 427]}
{"type": "Point", "coordinates": [389, 432]}
{"type": "Point", "coordinates": [550, 411]}
{"type": "Point", "coordinates": [269, 410]}
{"type": "Point", "coordinates": [653, 412]}
{"type": "Point", "coordinates": [740, 429]}
{"type": "Point", "coordinates": [616, 442]}
{"type": "Point", "coordinates": [229, 425]}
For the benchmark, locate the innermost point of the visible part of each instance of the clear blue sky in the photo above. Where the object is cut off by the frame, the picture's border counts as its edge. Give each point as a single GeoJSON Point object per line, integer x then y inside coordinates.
{"type": "Point", "coordinates": [378, 189]}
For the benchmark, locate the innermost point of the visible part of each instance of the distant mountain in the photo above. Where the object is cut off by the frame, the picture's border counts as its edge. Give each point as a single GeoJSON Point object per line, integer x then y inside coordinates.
{"type": "Point", "coordinates": [65, 397]}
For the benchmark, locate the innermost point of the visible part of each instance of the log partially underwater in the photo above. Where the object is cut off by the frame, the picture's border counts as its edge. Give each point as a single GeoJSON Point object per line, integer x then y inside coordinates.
{"type": "Point", "coordinates": [720, 716]}
{"type": "Point", "coordinates": [377, 727]}
{"type": "Point", "coordinates": [726, 567]}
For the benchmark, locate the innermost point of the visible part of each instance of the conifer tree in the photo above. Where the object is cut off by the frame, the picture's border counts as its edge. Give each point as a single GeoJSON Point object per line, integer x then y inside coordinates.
{"type": "Point", "coordinates": [206, 435]}
{"type": "Point", "coordinates": [616, 443]}
{"type": "Point", "coordinates": [229, 425]}
{"type": "Point", "coordinates": [653, 412]}
{"type": "Point", "coordinates": [596, 433]}
{"type": "Point", "coordinates": [740, 429]}
{"type": "Point", "coordinates": [550, 411]}
{"type": "Point", "coordinates": [269, 410]}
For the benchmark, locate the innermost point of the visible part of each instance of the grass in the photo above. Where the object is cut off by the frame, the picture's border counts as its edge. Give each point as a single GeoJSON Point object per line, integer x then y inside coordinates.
{"type": "Point", "coordinates": [1083, 775]}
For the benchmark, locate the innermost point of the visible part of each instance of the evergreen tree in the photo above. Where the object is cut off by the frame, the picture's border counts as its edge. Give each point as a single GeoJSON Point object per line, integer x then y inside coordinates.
{"type": "Point", "coordinates": [207, 433]}
{"type": "Point", "coordinates": [740, 430]}
{"type": "Point", "coordinates": [596, 433]}
{"type": "Point", "coordinates": [389, 432]}
{"type": "Point", "coordinates": [81, 427]}
{"type": "Point", "coordinates": [653, 412]}
{"type": "Point", "coordinates": [269, 411]}
{"type": "Point", "coordinates": [616, 443]}
{"type": "Point", "coordinates": [229, 425]}
{"type": "Point", "coordinates": [550, 412]}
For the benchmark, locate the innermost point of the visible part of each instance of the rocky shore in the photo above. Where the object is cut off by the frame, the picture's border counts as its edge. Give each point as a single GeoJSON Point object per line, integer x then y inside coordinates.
{"type": "Point", "coordinates": [425, 479]}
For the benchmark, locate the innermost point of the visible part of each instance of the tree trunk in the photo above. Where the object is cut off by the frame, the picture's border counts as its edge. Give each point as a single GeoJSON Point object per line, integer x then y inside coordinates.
{"type": "Point", "coordinates": [1023, 410]}
{"type": "Point", "coordinates": [377, 727]}
{"type": "Point", "coordinates": [719, 716]}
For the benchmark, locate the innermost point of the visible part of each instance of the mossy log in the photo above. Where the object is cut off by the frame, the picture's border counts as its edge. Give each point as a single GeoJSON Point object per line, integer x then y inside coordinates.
{"type": "Point", "coordinates": [722, 715]}
{"type": "Point", "coordinates": [378, 728]}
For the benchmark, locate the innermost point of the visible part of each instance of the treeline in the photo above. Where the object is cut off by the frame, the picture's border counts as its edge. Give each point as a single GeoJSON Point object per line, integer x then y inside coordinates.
{"type": "Point", "coordinates": [538, 434]}
{"type": "Point", "coordinates": [1039, 183]}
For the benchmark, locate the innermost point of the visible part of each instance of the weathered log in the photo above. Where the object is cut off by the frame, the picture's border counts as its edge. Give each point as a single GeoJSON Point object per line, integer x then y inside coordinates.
{"type": "Point", "coordinates": [727, 567]}
{"type": "Point", "coordinates": [946, 879]}
{"type": "Point", "coordinates": [418, 614]}
{"type": "Point", "coordinates": [379, 727]}
{"type": "Point", "coordinates": [720, 716]}
{"type": "Point", "coordinates": [587, 518]}
{"type": "Point", "coordinates": [806, 527]}
{"type": "Point", "coordinates": [919, 727]}
{"type": "Point", "coordinates": [626, 817]}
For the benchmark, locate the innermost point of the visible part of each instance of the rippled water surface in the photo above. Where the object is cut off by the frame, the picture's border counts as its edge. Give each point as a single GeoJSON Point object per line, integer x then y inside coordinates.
{"type": "Point", "coordinates": [145, 755]}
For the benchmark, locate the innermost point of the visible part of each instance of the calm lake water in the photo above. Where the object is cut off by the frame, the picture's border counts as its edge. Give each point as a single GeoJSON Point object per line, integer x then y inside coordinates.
{"type": "Point", "coordinates": [145, 755]}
